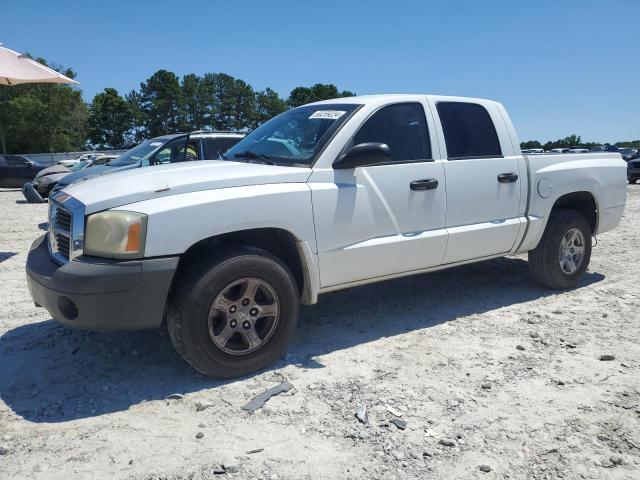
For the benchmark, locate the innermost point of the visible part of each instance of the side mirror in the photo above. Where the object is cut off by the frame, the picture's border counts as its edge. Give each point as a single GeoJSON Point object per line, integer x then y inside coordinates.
{"type": "Point", "coordinates": [364, 155]}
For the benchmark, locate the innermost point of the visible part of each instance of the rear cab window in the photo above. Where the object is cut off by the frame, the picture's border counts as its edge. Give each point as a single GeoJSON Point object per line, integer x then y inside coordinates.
{"type": "Point", "coordinates": [469, 132]}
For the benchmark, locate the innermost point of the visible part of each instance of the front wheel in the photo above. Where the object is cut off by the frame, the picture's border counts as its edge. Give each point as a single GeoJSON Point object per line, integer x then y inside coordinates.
{"type": "Point", "coordinates": [233, 314]}
{"type": "Point", "coordinates": [562, 256]}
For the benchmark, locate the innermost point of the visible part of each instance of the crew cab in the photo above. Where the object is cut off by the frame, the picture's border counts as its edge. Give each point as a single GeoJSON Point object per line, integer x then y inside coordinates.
{"type": "Point", "coordinates": [322, 197]}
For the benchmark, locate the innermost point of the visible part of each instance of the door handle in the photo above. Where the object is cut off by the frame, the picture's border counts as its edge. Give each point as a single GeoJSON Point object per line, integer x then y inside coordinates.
{"type": "Point", "coordinates": [507, 177]}
{"type": "Point", "coordinates": [427, 184]}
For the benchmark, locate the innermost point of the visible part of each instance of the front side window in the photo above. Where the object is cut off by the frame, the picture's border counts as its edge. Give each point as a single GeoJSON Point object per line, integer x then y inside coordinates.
{"type": "Point", "coordinates": [468, 131]}
{"type": "Point", "coordinates": [137, 153]}
{"type": "Point", "coordinates": [293, 137]}
{"type": "Point", "coordinates": [402, 127]}
{"type": "Point", "coordinates": [175, 152]}
{"type": "Point", "coordinates": [16, 161]}
{"type": "Point", "coordinates": [214, 146]}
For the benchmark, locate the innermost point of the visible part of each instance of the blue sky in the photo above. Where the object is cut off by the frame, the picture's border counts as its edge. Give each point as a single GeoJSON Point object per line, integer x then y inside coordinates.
{"type": "Point", "coordinates": [560, 67]}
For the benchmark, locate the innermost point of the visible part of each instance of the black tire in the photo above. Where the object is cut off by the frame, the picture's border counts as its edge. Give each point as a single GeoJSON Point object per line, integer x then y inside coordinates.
{"type": "Point", "coordinates": [633, 180]}
{"type": "Point", "coordinates": [544, 259]}
{"type": "Point", "coordinates": [196, 287]}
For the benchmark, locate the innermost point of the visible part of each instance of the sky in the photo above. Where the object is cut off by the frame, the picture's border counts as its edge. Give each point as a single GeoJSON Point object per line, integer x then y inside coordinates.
{"type": "Point", "coordinates": [560, 67]}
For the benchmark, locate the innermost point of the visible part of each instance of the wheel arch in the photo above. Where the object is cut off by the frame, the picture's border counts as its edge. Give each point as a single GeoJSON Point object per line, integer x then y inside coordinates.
{"type": "Point", "coordinates": [583, 202]}
{"type": "Point", "coordinates": [293, 252]}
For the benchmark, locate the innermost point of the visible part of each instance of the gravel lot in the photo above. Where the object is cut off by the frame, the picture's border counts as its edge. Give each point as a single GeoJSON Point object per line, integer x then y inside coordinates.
{"type": "Point", "coordinates": [495, 377]}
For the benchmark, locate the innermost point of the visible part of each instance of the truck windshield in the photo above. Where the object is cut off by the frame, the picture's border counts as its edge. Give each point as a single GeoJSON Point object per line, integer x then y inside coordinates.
{"type": "Point", "coordinates": [137, 153]}
{"type": "Point", "coordinates": [293, 137]}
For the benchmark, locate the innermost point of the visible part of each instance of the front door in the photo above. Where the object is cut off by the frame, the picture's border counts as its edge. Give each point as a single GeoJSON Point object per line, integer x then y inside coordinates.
{"type": "Point", "coordinates": [381, 220]}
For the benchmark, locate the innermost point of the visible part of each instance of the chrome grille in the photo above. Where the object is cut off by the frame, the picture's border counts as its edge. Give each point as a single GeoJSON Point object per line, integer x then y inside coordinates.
{"type": "Point", "coordinates": [62, 220]}
{"type": "Point", "coordinates": [66, 227]}
{"type": "Point", "coordinates": [63, 243]}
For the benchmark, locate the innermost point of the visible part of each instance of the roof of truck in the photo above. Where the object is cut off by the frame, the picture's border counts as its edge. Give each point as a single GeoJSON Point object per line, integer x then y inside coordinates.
{"type": "Point", "coordinates": [364, 99]}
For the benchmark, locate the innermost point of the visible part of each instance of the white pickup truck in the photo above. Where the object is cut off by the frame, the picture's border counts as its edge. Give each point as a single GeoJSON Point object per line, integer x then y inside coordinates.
{"type": "Point", "coordinates": [320, 198]}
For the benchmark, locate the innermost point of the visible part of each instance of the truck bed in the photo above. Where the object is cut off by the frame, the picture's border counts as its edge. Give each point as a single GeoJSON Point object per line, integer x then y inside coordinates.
{"type": "Point", "coordinates": [602, 175]}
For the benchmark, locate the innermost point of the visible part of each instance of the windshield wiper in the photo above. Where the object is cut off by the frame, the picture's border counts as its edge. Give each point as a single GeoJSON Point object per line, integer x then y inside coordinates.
{"type": "Point", "coordinates": [222, 155]}
{"type": "Point", "coordinates": [255, 156]}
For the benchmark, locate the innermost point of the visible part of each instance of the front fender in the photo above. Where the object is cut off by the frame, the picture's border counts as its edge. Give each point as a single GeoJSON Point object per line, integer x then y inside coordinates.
{"type": "Point", "coordinates": [175, 222]}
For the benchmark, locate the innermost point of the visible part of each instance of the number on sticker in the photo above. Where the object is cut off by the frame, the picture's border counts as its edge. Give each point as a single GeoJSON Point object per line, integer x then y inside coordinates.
{"type": "Point", "coordinates": [328, 114]}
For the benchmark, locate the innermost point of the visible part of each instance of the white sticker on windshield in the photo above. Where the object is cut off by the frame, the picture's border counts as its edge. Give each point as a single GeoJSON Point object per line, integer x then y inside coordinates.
{"type": "Point", "coordinates": [328, 114]}
{"type": "Point", "coordinates": [155, 144]}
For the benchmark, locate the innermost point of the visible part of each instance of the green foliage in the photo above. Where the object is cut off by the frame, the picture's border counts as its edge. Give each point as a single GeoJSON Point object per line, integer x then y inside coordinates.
{"type": "Point", "coordinates": [268, 105]}
{"type": "Point", "coordinates": [303, 95]}
{"type": "Point", "coordinates": [160, 99]}
{"type": "Point", "coordinates": [530, 144]}
{"type": "Point", "coordinates": [109, 121]}
{"type": "Point", "coordinates": [42, 117]}
{"type": "Point", "coordinates": [631, 144]}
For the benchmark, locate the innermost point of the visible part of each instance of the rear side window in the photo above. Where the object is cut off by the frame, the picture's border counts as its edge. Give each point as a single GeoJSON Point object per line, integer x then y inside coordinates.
{"type": "Point", "coordinates": [213, 146]}
{"type": "Point", "coordinates": [403, 127]}
{"type": "Point", "coordinates": [15, 161]}
{"type": "Point", "coordinates": [468, 131]}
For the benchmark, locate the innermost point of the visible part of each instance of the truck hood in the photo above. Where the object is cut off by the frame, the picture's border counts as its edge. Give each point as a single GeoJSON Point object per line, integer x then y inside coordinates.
{"type": "Point", "coordinates": [125, 187]}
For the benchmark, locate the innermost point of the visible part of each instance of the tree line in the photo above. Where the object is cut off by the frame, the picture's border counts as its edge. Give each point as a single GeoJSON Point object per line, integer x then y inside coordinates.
{"type": "Point", "coordinates": [37, 118]}
{"type": "Point", "coordinates": [574, 141]}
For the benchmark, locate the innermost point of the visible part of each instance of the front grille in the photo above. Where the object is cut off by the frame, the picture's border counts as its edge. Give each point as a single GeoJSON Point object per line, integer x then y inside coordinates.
{"type": "Point", "coordinates": [63, 243]}
{"type": "Point", "coordinates": [66, 227]}
{"type": "Point", "coordinates": [62, 220]}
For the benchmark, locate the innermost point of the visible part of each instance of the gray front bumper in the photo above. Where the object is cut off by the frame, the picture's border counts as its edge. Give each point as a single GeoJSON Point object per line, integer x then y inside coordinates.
{"type": "Point", "coordinates": [31, 194]}
{"type": "Point", "coordinates": [100, 294]}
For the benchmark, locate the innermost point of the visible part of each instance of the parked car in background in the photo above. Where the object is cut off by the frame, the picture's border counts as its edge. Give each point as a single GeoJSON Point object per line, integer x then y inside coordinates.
{"type": "Point", "coordinates": [322, 197]}
{"type": "Point", "coordinates": [38, 190]}
{"type": "Point", "coordinates": [532, 151]}
{"type": "Point", "coordinates": [16, 170]}
{"type": "Point", "coordinates": [578, 150]}
{"type": "Point", "coordinates": [180, 147]}
{"type": "Point", "coordinates": [604, 148]}
{"type": "Point", "coordinates": [633, 170]}
{"type": "Point", "coordinates": [560, 150]}
{"type": "Point", "coordinates": [629, 153]}
{"type": "Point", "coordinates": [74, 161]}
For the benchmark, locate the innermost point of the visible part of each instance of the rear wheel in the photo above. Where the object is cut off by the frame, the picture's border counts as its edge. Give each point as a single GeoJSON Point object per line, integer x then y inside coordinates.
{"type": "Point", "coordinates": [234, 313]}
{"type": "Point", "coordinates": [562, 256]}
{"type": "Point", "coordinates": [633, 179]}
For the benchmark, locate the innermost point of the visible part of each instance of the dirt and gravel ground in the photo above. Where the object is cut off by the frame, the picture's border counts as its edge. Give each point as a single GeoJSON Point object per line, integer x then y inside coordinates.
{"type": "Point", "coordinates": [495, 377]}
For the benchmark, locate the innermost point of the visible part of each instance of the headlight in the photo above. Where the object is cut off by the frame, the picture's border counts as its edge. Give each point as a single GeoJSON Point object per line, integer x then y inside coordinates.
{"type": "Point", "coordinates": [115, 234]}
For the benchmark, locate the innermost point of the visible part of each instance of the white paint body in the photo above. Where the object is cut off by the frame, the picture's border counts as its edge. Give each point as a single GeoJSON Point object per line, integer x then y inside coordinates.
{"type": "Point", "coordinates": [362, 225]}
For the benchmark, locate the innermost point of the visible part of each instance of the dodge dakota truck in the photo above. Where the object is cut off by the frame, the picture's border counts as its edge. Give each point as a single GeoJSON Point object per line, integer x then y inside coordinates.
{"type": "Point", "coordinates": [322, 197]}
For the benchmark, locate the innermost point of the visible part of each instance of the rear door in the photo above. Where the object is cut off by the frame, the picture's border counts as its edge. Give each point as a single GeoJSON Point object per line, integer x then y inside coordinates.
{"type": "Point", "coordinates": [388, 219]}
{"type": "Point", "coordinates": [483, 180]}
